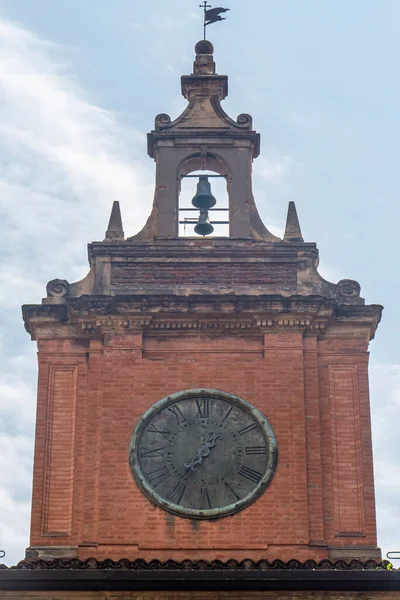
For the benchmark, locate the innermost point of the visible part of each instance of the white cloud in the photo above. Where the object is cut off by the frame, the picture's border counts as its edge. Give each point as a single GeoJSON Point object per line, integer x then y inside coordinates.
{"type": "Point", "coordinates": [275, 184]}
{"type": "Point", "coordinates": [16, 475]}
{"type": "Point", "coordinates": [272, 167]}
{"type": "Point", "coordinates": [329, 272]}
{"type": "Point", "coordinates": [385, 404]}
{"type": "Point", "coordinates": [63, 160]}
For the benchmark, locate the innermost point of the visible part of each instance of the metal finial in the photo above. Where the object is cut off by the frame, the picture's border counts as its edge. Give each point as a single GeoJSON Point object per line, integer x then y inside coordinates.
{"type": "Point", "coordinates": [204, 6]}
{"type": "Point", "coordinates": [211, 15]}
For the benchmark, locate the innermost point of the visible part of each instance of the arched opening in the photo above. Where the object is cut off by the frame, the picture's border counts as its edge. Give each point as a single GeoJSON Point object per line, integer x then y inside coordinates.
{"type": "Point", "coordinates": [217, 173]}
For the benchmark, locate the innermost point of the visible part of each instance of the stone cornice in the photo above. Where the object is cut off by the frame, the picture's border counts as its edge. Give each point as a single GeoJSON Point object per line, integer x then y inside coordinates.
{"type": "Point", "coordinates": [168, 313]}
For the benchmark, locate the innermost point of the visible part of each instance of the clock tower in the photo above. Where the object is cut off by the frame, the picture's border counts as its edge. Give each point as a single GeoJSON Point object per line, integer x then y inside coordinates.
{"type": "Point", "coordinates": [203, 396]}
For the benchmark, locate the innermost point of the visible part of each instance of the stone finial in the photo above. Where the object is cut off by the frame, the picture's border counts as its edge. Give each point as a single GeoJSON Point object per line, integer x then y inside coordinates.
{"type": "Point", "coordinates": [204, 81]}
{"type": "Point", "coordinates": [292, 229]}
{"type": "Point", "coordinates": [204, 63]}
{"type": "Point", "coordinates": [114, 229]}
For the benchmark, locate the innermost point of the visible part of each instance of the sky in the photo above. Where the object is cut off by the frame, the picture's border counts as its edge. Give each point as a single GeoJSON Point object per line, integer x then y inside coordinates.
{"type": "Point", "coordinates": [80, 85]}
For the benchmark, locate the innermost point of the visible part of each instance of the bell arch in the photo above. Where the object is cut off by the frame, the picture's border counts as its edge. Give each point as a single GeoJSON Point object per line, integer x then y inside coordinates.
{"type": "Point", "coordinates": [236, 168]}
{"type": "Point", "coordinates": [204, 161]}
{"type": "Point", "coordinates": [204, 137]}
{"type": "Point", "coordinates": [232, 162]}
{"type": "Point", "coordinates": [198, 166]}
{"type": "Point", "coordinates": [209, 165]}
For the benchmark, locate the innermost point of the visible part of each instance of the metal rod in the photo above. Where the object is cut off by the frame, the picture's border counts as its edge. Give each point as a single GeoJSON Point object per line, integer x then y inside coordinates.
{"type": "Point", "coordinates": [197, 176]}
{"type": "Point", "coordinates": [220, 209]}
{"type": "Point", "coordinates": [212, 222]}
{"type": "Point", "coordinates": [204, 6]}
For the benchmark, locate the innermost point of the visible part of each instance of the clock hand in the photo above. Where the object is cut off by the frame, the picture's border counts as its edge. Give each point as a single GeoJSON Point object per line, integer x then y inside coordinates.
{"type": "Point", "coordinates": [203, 451]}
{"type": "Point", "coordinates": [200, 453]}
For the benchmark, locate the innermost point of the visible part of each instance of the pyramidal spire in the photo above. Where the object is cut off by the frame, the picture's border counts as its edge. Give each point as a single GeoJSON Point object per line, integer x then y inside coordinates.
{"type": "Point", "coordinates": [114, 229]}
{"type": "Point", "coordinates": [292, 229]}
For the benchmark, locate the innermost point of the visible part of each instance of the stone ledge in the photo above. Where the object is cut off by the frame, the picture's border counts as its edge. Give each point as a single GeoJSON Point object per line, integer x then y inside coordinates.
{"type": "Point", "coordinates": [93, 575]}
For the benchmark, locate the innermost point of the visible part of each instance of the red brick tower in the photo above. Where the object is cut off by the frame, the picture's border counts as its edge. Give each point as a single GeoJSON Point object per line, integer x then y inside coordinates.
{"type": "Point", "coordinates": [159, 316]}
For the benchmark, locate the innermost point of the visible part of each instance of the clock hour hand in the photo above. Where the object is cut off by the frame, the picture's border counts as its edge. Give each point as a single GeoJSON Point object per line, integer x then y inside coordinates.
{"type": "Point", "coordinates": [203, 451]}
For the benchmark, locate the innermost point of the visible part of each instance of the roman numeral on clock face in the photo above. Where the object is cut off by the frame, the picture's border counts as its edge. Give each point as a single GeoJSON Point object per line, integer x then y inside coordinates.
{"type": "Point", "coordinates": [228, 412]}
{"type": "Point", "coordinates": [153, 429]}
{"type": "Point", "coordinates": [250, 474]}
{"type": "Point", "coordinates": [203, 408]}
{"type": "Point", "coordinates": [251, 450]}
{"type": "Point", "coordinates": [151, 453]}
{"type": "Point", "coordinates": [177, 492]}
{"type": "Point", "coordinates": [176, 411]}
{"type": "Point", "coordinates": [205, 502]}
{"type": "Point", "coordinates": [158, 476]}
{"type": "Point", "coordinates": [231, 492]}
{"type": "Point", "coordinates": [247, 429]}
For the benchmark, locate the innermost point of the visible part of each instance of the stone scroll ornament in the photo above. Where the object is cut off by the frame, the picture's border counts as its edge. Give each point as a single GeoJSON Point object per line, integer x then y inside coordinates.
{"type": "Point", "coordinates": [162, 120]}
{"type": "Point", "coordinates": [203, 454]}
{"type": "Point", "coordinates": [347, 289]}
{"type": "Point", "coordinates": [245, 121]}
{"type": "Point", "coordinates": [57, 288]}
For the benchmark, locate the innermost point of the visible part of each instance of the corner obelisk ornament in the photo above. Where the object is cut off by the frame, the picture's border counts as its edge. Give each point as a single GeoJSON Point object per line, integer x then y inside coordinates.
{"type": "Point", "coordinates": [203, 454]}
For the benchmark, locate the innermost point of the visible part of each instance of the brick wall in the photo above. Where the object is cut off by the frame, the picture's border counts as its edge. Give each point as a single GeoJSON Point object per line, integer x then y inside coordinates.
{"type": "Point", "coordinates": [125, 276]}
{"type": "Point", "coordinates": [314, 395]}
{"type": "Point", "coordinates": [348, 484]}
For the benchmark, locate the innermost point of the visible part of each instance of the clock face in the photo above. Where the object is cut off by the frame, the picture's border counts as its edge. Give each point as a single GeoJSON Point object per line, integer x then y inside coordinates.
{"type": "Point", "coordinates": [203, 454]}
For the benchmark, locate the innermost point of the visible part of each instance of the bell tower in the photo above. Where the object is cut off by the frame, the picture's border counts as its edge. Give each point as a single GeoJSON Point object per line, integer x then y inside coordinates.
{"type": "Point", "coordinates": [203, 137]}
{"type": "Point", "coordinates": [203, 397]}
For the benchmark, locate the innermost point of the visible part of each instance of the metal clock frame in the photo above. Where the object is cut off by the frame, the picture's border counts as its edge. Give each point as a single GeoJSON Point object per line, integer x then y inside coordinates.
{"type": "Point", "coordinates": [215, 513]}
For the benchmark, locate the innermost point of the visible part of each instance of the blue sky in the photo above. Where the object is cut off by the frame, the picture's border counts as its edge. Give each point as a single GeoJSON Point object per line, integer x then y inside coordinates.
{"type": "Point", "coordinates": [80, 85]}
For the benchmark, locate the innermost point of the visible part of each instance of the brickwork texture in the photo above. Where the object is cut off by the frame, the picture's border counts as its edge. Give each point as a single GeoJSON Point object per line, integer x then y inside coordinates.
{"type": "Point", "coordinates": [313, 390]}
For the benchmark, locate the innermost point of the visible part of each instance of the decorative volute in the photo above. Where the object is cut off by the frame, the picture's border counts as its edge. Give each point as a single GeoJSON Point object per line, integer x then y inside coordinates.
{"type": "Point", "coordinates": [204, 137]}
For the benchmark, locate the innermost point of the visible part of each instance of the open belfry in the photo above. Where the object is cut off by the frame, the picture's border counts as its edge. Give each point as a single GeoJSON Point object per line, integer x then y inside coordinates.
{"type": "Point", "coordinates": [203, 418]}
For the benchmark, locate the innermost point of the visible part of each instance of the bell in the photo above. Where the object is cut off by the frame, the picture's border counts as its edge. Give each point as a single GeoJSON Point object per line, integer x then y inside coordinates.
{"type": "Point", "coordinates": [203, 197]}
{"type": "Point", "coordinates": [203, 226]}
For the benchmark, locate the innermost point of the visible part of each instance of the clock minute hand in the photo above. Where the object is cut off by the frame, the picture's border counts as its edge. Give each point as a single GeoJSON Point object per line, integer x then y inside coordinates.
{"type": "Point", "coordinates": [203, 451]}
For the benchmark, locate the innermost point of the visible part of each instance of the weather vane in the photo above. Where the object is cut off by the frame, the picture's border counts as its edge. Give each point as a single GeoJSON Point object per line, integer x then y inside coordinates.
{"type": "Point", "coordinates": [211, 15]}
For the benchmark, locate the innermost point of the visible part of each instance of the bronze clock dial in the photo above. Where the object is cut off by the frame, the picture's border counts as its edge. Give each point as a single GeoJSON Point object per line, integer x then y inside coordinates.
{"type": "Point", "coordinates": [203, 454]}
